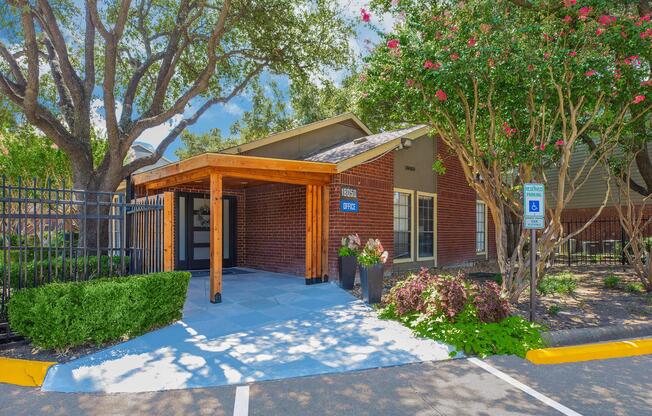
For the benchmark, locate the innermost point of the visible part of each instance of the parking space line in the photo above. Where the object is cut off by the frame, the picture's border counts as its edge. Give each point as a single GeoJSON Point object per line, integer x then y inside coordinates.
{"type": "Point", "coordinates": [241, 405]}
{"type": "Point", "coordinates": [528, 390]}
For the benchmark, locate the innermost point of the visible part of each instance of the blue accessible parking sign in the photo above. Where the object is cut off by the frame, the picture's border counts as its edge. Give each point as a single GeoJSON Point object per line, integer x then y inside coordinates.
{"type": "Point", "coordinates": [534, 205]}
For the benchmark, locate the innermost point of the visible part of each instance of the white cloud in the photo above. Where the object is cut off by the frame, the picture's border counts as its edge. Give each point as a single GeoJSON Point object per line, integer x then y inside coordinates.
{"type": "Point", "coordinates": [233, 109]}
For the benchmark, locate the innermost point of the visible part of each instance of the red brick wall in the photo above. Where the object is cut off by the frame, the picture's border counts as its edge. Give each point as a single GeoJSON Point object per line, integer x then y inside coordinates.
{"type": "Point", "coordinates": [375, 183]}
{"type": "Point", "coordinates": [456, 214]}
{"type": "Point", "coordinates": [275, 234]}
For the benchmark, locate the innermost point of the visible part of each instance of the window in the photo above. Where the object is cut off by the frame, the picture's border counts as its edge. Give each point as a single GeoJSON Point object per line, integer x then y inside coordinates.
{"type": "Point", "coordinates": [402, 225]}
{"type": "Point", "coordinates": [480, 227]}
{"type": "Point", "coordinates": [426, 221]}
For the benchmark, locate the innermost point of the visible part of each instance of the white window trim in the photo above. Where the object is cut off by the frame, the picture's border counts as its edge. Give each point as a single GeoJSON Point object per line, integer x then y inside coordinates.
{"type": "Point", "coordinates": [486, 230]}
{"type": "Point", "coordinates": [411, 193]}
{"type": "Point", "coordinates": [434, 224]}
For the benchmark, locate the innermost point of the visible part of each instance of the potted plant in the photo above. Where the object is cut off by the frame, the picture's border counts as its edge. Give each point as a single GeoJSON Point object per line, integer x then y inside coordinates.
{"type": "Point", "coordinates": [348, 260]}
{"type": "Point", "coordinates": [371, 259]}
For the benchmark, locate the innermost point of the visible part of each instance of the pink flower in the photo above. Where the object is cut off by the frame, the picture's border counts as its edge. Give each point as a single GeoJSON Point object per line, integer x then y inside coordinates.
{"type": "Point", "coordinates": [584, 12]}
{"type": "Point", "coordinates": [410, 83]}
{"type": "Point", "coordinates": [646, 83]}
{"type": "Point", "coordinates": [542, 147]}
{"type": "Point", "coordinates": [598, 31]}
{"type": "Point", "coordinates": [606, 20]}
{"type": "Point", "coordinates": [363, 77]}
{"type": "Point", "coordinates": [546, 55]}
{"type": "Point", "coordinates": [646, 34]}
{"type": "Point", "coordinates": [638, 99]}
{"type": "Point", "coordinates": [547, 37]}
{"type": "Point", "coordinates": [632, 60]}
{"type": "Point", "coordinates": [392, 43]}
{"type": "Point", "coordinates": [568, 18]}
{"type": "Point", "coordinates": [617, 74]}
{"type": "Point", "coordinates": [454, 56]}
{"type": "Point", "coordinates": [530, 67]}
{"type": "Point", "coordinates": [441, 95]}
{"type": "Point", "coordinates": [471, 43]}
{"type": "Point", "coordinates": [431, 65]}
{"type": "Point", "coordinates": [572, 54]}
{"type": "Point", "coordinates": [559, 142]}
{"type": "Point", "coordinates": [590, 73]}
{"type": "Point", "coordinates": [508, 130]}
{"type": "Point", "coordinates": [365, 15]}
{"type": "Point", "coordinates": [569, 3]}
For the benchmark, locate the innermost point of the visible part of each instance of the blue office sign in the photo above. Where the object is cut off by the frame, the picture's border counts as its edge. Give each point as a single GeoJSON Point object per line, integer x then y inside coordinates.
{"type": "Point", "coordinates": [349, 199]}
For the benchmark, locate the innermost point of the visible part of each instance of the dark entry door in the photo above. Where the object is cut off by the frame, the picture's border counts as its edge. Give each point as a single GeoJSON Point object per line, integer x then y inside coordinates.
{"type": "Point", "coordinates": [194, 231]}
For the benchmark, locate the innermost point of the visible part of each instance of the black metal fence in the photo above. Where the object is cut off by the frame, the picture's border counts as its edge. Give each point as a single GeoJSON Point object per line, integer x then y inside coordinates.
{"type": "Point", "coordinates": [601, 243]}
{"type": "Point", "coordinates": [52, 233]}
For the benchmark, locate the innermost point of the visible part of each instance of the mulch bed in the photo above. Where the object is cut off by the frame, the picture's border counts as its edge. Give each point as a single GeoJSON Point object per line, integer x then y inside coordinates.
{"type": "Point", "coordinates": [591, 305]}
{"type": "Point", "coordinates": [26, 351]}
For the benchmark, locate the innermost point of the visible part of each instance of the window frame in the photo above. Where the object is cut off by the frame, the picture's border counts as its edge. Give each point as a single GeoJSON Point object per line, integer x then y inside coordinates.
{"type": "Point", "coordinates": [411, 193]}
{"type": "Point", "coordinates": [434, 226]}
{"type": "Point", "coordinates": [485, 251]}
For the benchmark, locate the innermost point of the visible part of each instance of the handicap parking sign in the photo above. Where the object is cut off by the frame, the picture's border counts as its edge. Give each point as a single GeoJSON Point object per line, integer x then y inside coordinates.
{"type": "Point", "coordinates": [533, 204]}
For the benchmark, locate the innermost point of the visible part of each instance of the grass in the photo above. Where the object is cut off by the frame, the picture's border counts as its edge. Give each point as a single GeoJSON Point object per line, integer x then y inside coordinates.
{"type": "Point", "coordinates": [564, 283]}
{"type": "Point", "coordinates": [611, 282]}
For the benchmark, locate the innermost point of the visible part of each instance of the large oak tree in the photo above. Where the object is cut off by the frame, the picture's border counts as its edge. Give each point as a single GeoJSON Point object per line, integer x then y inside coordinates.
{"type": "Point", "coordinates": [150, 62]}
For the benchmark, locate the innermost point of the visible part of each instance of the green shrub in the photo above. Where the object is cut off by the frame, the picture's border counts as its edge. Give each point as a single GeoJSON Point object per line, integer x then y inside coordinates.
{"type": "Point", "coordinates": [554, 310]}
{"type": "Point", "coordinates": [636, 287]}
{"type": "Point", "coordinates": [561, 284]}
{"type": "Point", "coordinates": [62, 269]}
{"type": "Point", "coordinates": [64, 315]}
{"type": "Point", "coordinates": [611, 282]}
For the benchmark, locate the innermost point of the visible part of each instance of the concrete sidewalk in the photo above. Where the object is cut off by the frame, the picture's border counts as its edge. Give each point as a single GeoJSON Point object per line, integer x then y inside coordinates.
{"type": "Point", "coordinates": [269, 326]}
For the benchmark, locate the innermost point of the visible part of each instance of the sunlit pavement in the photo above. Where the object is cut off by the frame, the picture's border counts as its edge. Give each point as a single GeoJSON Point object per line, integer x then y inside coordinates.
{"type": "Point", "coordinates": [459, 387]}
{"type": "Point", "coordinates": [269, 326]}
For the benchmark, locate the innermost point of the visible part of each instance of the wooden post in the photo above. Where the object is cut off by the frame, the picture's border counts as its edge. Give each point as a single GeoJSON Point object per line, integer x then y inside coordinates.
{"type": "Point", "coordinates": [309, 232]}
{"type": "Point", "coordinates": [325, 232]}
{"type": "Point", "coordinates": [168, 231]}
{"type": "Point", "coordinates": [318, 226]}
{"type": "Point", "coordinates": [216, 238]}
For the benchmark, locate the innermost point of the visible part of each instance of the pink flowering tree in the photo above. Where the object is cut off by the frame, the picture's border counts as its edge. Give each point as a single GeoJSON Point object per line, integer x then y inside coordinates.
{"type": "Point", "coordinates": [513, 89]}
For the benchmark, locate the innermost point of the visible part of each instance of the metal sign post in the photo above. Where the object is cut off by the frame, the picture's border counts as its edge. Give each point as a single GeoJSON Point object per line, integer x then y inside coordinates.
{"type": "Point", "coordinates": [534, 219]}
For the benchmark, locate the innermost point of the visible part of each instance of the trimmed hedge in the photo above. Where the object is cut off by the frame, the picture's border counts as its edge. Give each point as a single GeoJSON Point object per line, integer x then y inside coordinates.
{"type": "Point", "coordinates": [64, 315]}
{"type": "Point", "coordinates": [40, 269]}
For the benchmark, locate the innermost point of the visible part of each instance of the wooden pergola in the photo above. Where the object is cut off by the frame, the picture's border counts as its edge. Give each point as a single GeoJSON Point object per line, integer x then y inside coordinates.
{"type": "Point", "coordinates": [219, 170]}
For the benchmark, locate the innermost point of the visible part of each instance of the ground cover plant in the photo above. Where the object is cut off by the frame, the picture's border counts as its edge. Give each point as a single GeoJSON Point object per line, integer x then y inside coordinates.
{"type": "Point", "coordinates": [472, 317]}
{"type": "Point", "coordinates": [564, 283]}
{"type": "Point", "coordinates": [64, 315]}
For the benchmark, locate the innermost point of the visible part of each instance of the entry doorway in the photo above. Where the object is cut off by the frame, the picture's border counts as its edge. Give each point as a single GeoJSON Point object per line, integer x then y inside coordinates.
{"type": "Point", "coordinates": [193, 231]}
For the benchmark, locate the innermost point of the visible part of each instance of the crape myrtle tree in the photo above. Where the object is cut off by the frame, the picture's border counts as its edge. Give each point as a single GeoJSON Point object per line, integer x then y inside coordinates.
{"type": "Point", "coordinates": [150, 62]}
{"type": "Point", "coordinates": [510, 87]}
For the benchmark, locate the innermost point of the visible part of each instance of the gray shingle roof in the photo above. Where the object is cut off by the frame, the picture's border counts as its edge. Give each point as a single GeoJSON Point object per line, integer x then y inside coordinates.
{"type": "Point", "coordinates": [349, 149]}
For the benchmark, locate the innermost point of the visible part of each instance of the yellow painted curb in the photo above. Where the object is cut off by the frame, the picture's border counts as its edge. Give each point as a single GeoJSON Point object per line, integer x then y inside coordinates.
{"type": "Point", "coordinates": [590, 352]}
{"type": "Point", "coordinates": [23, 372]}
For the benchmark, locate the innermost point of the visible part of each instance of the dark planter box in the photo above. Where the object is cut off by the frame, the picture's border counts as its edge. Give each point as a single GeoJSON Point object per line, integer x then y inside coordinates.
{"type": "Point", "coordinates": [371, 281]}
{"type": "Point", "coordinates": [347, 266]}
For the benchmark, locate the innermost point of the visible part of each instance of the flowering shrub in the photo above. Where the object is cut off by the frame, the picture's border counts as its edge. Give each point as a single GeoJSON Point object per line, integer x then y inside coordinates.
{"type": "Point", "coordinates": [350, 245]}
{"type": "Point", "coordinates": [373, 253]}
{"type": "Point", "coordinates": [474, 318]}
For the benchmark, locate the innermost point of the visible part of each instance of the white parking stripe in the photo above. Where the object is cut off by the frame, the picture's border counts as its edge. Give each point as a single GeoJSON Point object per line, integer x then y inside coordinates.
{"type": "Point", "coordinates": [241, 405]}
{"type": "Point", "coordinates": [545, 399]}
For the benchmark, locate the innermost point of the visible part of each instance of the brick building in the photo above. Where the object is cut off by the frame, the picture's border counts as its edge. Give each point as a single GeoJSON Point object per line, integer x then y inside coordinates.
{"type": "Point", "coordinates": [288, 199]}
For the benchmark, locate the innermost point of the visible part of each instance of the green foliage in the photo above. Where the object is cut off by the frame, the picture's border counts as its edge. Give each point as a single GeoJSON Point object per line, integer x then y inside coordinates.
{"type": "Point", "coordinates": [554, 310]}
{"type": "Point", "coordinates": [195, 144]}
{"type": "Point", "coordinates": [372, 253]}
{"type": "Point", "coordinates": [636, 287]}
{"type": "Point", "coordinates": [347, 252]}
{"type": "Point", "coordinates": [64, 315]}
{"type": "Point", "coordinates": [564, 283]}
{"type": "Point", "coordinates": [611, 282]}
{"type": "Point", "coordinates": [35, 272]}
{"type": "Point", "coordinates": [479, 323]}
{"type": "Point", "coordinates": [438, 167]}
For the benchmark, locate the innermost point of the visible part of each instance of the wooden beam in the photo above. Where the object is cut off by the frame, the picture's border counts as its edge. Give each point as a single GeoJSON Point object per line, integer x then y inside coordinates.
{"type": "Point", "coordinates": [215, 237]}
{"type": "Point", "coordinates": [317, 237]}
{"type": "Point", "coordinates": [168, 231]}
{"type": "Point", "coordinates": [309, 229]}
{"type": "Point", "coordinates": [325, 230]}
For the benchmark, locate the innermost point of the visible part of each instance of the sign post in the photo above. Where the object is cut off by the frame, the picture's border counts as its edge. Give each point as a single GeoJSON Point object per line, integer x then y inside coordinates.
{"type": "Point", "coordinates": [534, 219]}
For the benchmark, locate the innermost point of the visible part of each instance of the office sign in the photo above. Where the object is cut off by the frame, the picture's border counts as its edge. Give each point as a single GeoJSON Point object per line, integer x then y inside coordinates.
{"type": "Point", "coordinates": [534, 206]}
{"type": "Point", "coordinates": [349, 199]}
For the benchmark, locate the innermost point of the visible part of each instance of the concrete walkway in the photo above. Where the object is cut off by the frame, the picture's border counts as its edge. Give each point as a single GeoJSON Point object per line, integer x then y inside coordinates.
{"type": "Point", "coordinates": [269, 326]}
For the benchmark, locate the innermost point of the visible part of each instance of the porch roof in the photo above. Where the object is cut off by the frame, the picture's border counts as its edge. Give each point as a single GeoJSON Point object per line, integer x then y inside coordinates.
{"type": "Point", "coordinates": [199, 168]}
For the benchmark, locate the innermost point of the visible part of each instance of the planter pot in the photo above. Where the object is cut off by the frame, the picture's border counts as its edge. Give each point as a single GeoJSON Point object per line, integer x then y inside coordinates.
{"type": "Point", "coordinates": [371, 281]}
{"type": "Point", "coordinates": [347, 265]}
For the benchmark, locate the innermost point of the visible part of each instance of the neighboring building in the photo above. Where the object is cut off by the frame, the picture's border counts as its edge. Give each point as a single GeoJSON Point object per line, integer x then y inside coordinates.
{"type": "Point", "coordinates": [289, 198]}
